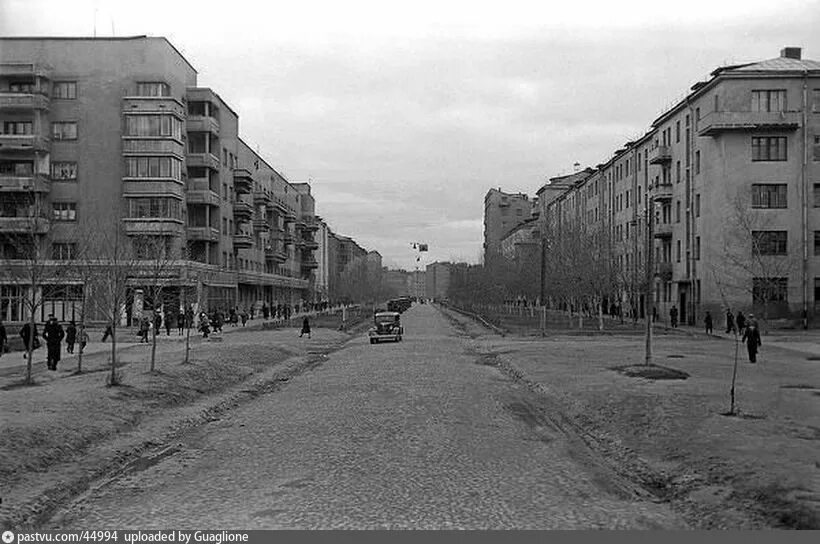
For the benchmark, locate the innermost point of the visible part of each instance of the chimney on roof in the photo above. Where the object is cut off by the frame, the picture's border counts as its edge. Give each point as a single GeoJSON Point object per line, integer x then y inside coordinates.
{"type": "Point", "coordinates": [791, 53]}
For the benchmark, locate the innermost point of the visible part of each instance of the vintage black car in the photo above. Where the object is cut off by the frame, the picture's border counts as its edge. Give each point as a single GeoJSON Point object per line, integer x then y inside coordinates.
{"type": "Point", "coordinates": [387, 326]}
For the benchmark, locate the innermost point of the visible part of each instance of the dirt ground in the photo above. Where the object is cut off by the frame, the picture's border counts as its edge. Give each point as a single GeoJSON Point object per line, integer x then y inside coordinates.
{"type": "Point", "coordinates": [758, 469]}
{"type": "Point", "coordinates": [57, 436]}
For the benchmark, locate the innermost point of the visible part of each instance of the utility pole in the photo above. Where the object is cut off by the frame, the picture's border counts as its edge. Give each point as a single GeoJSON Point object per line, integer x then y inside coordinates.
{"type": "Point", "coordinates": [649, 297]}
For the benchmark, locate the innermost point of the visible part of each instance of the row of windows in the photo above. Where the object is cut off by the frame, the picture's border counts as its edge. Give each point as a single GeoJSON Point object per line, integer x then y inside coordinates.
{"type": "Point", "coordinates": [153, 167]}
{"type": "Point", "coordinates": [67, 90]}
{"type": "Point", "coordinates": [154, 207]}
{"type": "Point", "coordinates": [153, 125]}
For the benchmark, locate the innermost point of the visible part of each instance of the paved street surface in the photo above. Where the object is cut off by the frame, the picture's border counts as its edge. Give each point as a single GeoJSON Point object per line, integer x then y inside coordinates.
{"type": "Point", "coordinates": [417, 434]}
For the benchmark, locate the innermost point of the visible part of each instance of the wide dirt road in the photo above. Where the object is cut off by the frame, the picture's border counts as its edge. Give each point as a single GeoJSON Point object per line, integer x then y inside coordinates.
{"type": "Point", "coordinates": [397, 435]}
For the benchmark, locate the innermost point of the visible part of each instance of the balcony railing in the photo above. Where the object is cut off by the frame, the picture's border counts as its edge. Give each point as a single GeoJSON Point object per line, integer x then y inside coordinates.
{"type": "Point", "coordinates": [662, 192]}
{"type": "Point", "coordinates": [276, 255]}
{"type": "Point", "coordinates": [310, 244]}
{"type": "Point", "coordinates": [663, 230]}
{"type": "Point", "coordinates": [199, 196]}
{"type": "Point", "coordinates": [203, 234]}
{"type": "Point", "coordinates": [24, 225]}
{"type": "Point", "coordinates": [261, 197]}
{"type": "Point", "coordinates": [261, 225]}
{"type": "Point", "coordinates": [242, 181]}
{"type": "Point", "coordinates": [242, 240]}
{"type": "Point", "coordinates": [242, 211]}
{"type": "Point", "coordinates": [664, 271]}
{"type": "Point", "coordinates": [152, 147]}
{"type": "Point", "coordinates": [660, 154]}
{"type": "Point", "coordinates": [203, 160]}
{"type": "Point", "coordinates": [310, 264]}
{"type": "Point", "coordinates": [154, 226]}
{"type": "Point", "coordinates": [714, 123]}
{"type": "Point", "coordinates": [202, 123]}
{"type": "Point", "coordinates": [38, 183]}
{"type": "Point", "coordinates": [23, 101]}
{"type": "Point", "coordinates": [24, 142]}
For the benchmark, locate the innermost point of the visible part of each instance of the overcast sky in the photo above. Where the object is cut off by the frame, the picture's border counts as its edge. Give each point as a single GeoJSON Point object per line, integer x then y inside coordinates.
{"type": "Point", "coordinates": [403, 115]}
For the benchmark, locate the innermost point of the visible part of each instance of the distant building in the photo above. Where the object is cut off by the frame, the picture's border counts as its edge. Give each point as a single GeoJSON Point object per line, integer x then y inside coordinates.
{"type": "Point", "coordinates": [502, 213]}
{"type": "Point", "coordinates": [437, 280]}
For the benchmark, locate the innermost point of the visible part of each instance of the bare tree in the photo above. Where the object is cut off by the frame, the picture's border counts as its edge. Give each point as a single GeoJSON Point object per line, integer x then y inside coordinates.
{"type": "Point", "coordinates": [25, 244]}
{"type": "Point", "coordinates": [756, 255]}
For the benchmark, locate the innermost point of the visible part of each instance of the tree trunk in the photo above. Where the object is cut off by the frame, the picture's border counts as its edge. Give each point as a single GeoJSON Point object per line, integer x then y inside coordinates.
{"type": "Point", "coordinates": [600, 316]}
{"type": "Point", "coordinates": [114, 352]}
{"type": "Point", "coordinates": [734, 378]}
{"type": "Point", "coordinates": [30, 348]}
{"type": "Point", "coordinates": [153, 346]}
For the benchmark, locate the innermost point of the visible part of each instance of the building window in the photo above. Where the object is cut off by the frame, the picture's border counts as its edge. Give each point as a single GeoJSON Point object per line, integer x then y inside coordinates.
{"type": "Point", "coordinates": [677, 211]}
{"type": "Point", "coordinates": [677, 172]}
{"type": "Point", "coordinates": [26, 87]}
{"type": "Point", "coordinates": [769, 195]}
{"type": "Point", "coordinates": [769, 100]}
{"type": "Point", "coordinates": [66, 90]}
{"type": "Point", "coordinates": [697, 162]}
{"type": "Point", "coordinates": [153, 88]}
{"type": "Point", "coordinates": [64, 131]}
{"type": "Point", "coordinates": [770, 290]}
{"type": "Point", "coordinates": [63, 251]}
{"type": "Point", "coordinates": [769, 242]}
{"type": "Point", "coordinates": [224, 157]}
{"type": "Point", "coordinates": [18, 128]}
{"type": "Point", "coordinates": [153, 167]}
{"type": "Point", "coordinates": [677, 251]}
{"type": "Point", "coordinates": [153, 125]}
{"type": "Point", "coordinates": [697, 248]}
{"type": "Point", "coordinates": [64, 171]}
{"type": "Point", "coordinates": [769, 148]}
{"type": "Point", "coordinates": [64, 211]}
{"type": "Point", "coordinates": [154, 207]}
{"type": "Point", "coordinates": [677, 131]}
{"type": "Point", "coordinates": [817, 243]}
{"type": "Point", "coordinates": [17, 168]}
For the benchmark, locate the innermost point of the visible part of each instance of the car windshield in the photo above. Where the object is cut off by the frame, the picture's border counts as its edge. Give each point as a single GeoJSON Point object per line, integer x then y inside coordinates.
{"type": "Point", "coordinates": [386, 319]}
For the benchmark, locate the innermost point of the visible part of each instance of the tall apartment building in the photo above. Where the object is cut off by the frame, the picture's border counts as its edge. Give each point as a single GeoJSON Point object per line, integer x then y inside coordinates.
{"type": "Point", "coordinates": [731, 174]}
{"type": "Point", "coordinates": [437, 280]}
{"type": "Point", "coordinates": [502, 212]}
{"type": "Point", "coordinates": [113, 135]}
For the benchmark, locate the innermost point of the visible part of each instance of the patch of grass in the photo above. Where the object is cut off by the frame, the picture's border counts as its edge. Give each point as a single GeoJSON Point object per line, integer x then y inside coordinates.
{"type": "Point", "coordinates": [777, 503]}
{"type": "Point", "coordinates": [651, 372]}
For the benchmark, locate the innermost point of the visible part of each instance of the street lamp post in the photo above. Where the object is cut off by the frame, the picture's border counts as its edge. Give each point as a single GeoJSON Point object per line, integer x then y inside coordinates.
{"type": "Point", "coordinates": [649, 297]}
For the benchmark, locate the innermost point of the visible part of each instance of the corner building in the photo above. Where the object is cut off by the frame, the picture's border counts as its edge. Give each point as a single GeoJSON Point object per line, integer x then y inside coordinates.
{"type": "Point", "coordinates": [113, 134]}
{"type": "Point", "coordinates": [731, 174]}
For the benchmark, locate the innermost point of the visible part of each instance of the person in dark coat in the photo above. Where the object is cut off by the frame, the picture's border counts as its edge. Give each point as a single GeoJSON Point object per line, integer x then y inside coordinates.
{"type": "Point", "coordinates": [244, 316]}
{"type": "Point", "coordinates": [708, 322]}
{"type": "Point", "coordinates": [741, 322]}
{"type": "Point", "coordinates": [751, 337]}
{"type": "Point", "coordinates": [4, 339]}
{"type": "Point", "coordinates": [144, 328]}
{"type": "Point", "coordinates": [27, 336]}
{"type": "Point", "coordinates": [53, 333]}
{"type": "Point", "coordinates": [157, 321]}
{"type": "Point", "coordinates": [182, 320]}
{"type": "Point", "coordinates": [70, 336]}
{"type": "Point", "coordinates": [265, 311]}
{"type": "Point", "coordinates": [108, 332]}
{"type": "Point", "coordinates": [305, 327]}
{"type": "Point", "coordinates": [730, 321]}
{"type": "Point", "coordinates": [233, 317]}
{"type": "Point", "coordinates": [673, 316]}
{"type": "Point", "coordinates": [168, 323]}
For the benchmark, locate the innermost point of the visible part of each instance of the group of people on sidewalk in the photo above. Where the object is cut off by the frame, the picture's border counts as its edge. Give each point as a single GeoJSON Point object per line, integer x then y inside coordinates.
{"type": "Point", "coordinates": [747, 329]}
{"type": "Point", "coordinates": [53, 334]}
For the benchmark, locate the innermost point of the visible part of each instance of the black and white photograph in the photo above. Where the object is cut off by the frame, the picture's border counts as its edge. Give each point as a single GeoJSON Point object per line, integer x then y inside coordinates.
{"type": "Point", "coordinates": [407, 266]}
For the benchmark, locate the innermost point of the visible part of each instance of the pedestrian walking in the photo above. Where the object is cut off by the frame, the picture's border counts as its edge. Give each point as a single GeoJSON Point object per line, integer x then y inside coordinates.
{"type": "Point", "coordinates": [29, 337]}
{"type": "Point", "coordinates": [741, 322]}
{"type": "Point", "coordinates": [305, 327]}
{"type": "Point", "coordinates": [4, 339]}
{"type": "Point", "coordinates": [244, 316]}
{"type": "Point", "coordinates": [730, 321]}
{"type": "Point", "coordinates": [168, 323]}
{"type": "Point", "coordinates": [673, 316]}
{"type": "Point", "coordinates": [145, 325]}
{"type": "Point", "coordinates": [751, 337]}
{"type": "Point", "coordinates": [53, 333]}
{"type": "Point", "coordinates": [108, 332]}
{"type": "Point", "coordinates": [84, 339]}
{"type": "Point", "coordinates": [708, 322]}
{"type": "Point", "coordinates": [181, 321]}
{"type": "Point", "coordinates": [70, 336]}
{"type": "Point", "coordinates": [265, 310]}
{"type": "Point", "coordinates": [157, 321]}
{"type": "Point", "coordinates": [233, 317]}
{"type": "Point", "coordinates": [204, 325]}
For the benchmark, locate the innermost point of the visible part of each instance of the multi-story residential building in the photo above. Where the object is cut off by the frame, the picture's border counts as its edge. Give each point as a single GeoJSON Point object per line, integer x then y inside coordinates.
{"type": "Point", "coordinates": [110, 137]}
{"type": "Point", "coordinates": [731, 175]}
{"type": "Point", "coordinates": [437, 280]}
{"type": "Point", "coordinates": [502, 213]}
{"type": "Point", "coordinates": [322, 253]}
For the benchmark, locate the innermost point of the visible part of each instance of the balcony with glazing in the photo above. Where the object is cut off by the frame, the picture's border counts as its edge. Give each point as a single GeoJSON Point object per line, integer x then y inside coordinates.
{"type": "Point", "coordinates": [202, 234]}
{"type": "Point", "coordinates": [242, 240]}
{"type": "Point", "coordinates": [663, 230]}
{"type": "Point", "coordinates": [242, 211]}
{"type": "Point", "coordinates": [24, 225]}
{"type": "Point", "coordinates": [242, 181]}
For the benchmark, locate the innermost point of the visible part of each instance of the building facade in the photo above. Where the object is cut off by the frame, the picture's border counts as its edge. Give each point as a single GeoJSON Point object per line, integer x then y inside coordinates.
{"type": "Point", "coordinates": [730, 176]}
{"type": "Point", "coordinates": [111, 138]}
{"type": "Point", "coordinates": [502, 212]}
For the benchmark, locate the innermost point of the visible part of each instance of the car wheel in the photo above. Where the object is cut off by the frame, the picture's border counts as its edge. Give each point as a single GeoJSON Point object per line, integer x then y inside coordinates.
{"type": "Point", "coordinates": [372, 341]}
